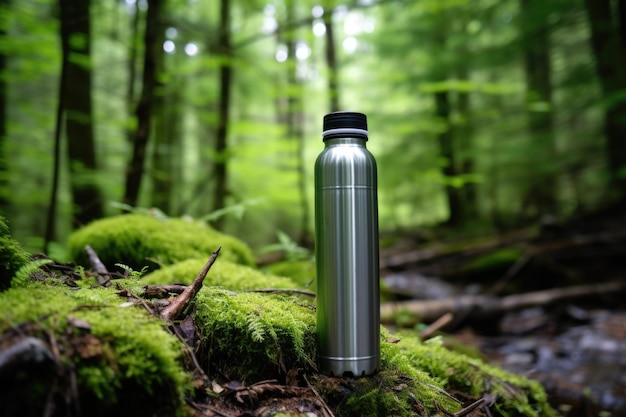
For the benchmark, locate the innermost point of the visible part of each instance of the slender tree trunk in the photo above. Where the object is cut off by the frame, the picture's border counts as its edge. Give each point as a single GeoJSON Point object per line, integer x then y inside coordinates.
{"type": "Point", "coordinates": [331, 61]}
{"type": "Point", "coordinates": [446, 138]}
{"type": "Point", "coordinates": [76, 46]}
{"type": "Point", "coordinates": [50, 233]}
{"type": "Point", "coordinates": [132, 67]}
{"type": "Point", "coordinates": [220, 168]}
{"type": "Point", "coordinates": [608, 46]}
{"type": "Point", "coordinates": [542, 189]}
{"type": "Point", "coordinates": [465, 134]}
{"type": "Point", "coordinates": [144, 109]}
{"type": "Point", "coordinates": [446, 149]}
{"type": "Point", "coordinates": [295, 122]}
{"type": "Point", "coordinates": [166, 156]}
{"type": "Point", "coordinates": [4, 171]}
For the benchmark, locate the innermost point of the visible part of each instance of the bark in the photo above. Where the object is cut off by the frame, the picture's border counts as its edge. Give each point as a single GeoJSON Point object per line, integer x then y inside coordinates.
{"type": "Point", "coordinates": [541, 194]}
{"type": "Point", "coordinates": [608, 49]}
{"type": "Point", "coordinates": [144, 109]}
{"type": "Point", "coordinates": [76, 47]}
{"type": "Point", "coordinates": [220, 168]}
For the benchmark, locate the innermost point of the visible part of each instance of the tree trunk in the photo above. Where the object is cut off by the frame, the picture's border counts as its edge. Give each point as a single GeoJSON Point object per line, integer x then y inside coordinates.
{"type": "Point", "coordinates": [465, 133]}
{"type": "Point", "coordinates": [76, 47]}
{"type": "Point", "coordinates": [4, 172]}
{"type": "Point", "coordinates": [331, 61]}
{"type": "Point", "coordinates": [607, 42]}
{"type": "Point", "coordinates": [220, 168]}
{"type": "Point", "coordinates": [166, 158]}
{"type": "Point", "coordinates": [541, 193]}
{"type": "Point", "coordinates": [144, 109]}
{"type": "Point", "coordinates": [295, 120]}
{"type": "Point", "coordinates": [446, 149]}
{"type": "Point", "coordinates": [132, 66]}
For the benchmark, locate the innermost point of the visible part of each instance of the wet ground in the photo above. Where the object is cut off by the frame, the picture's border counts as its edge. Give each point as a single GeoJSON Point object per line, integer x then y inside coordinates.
{"type": "Point", "coordinates": [576, 350]}
{"type": "Point", "coordinates": [581, 365]}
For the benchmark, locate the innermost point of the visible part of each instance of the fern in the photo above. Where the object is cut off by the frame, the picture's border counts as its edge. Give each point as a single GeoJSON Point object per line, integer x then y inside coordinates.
{"type": "Point", "coordinates": [131, 273]}
{"type": "Point", "coordinates": [256, 329]}
{"type": "Point", "coordinates": [22, 276]}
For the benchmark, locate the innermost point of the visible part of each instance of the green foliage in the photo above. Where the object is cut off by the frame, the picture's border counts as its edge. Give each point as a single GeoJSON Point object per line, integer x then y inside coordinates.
{"type": "Point", "coordinates": [222, 274]}
{"type": "Point", "coordinates": [120, 369]}
{"type": "Point", "coordinates": [292, 250]}
{"type": "Point", "coordinates": [12, 255]}
{"type": "Point", "coordinates": [138, 240]}
{"type": "Point", "coordinates": [300, 271]}
{"type": "Point", "coordinates": [22, 276]}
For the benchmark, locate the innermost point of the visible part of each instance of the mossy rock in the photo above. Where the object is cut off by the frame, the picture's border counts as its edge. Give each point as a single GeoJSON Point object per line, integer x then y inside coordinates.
{"type": "Point", "coordinates": [12, 255]}
{"type": "Point", "coordinates": [222, 274]}
{"type": "Point", "coordinates": [83, 346]}
{"type": "Point", "coordinates": [138, 240]}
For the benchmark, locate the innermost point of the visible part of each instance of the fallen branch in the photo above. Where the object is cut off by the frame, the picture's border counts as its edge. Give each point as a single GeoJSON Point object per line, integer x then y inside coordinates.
{"type": "Point", "coordinates": [176, 307]}
{"type": "Point", "coordinates": [103, 277]}
{"type": "Point", "coordinates": [479, 306]}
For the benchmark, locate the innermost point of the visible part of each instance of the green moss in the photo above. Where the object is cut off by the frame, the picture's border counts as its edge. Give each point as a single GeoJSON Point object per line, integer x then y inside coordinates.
{"type": "Point", "coordinates": [302, 272]}
{"type": "Point", "coordinates": [254, 336]}
{"type": "Point", "coordinates": [124, 361]}
{"type": "Point", "coordinates": [222, 274]}
{"type": "Point", "coordinates": [12, 255]}
{"type": "Point", "coordinates": [513, 395]}
{"type": "Point", "coordinates": [138, 240]}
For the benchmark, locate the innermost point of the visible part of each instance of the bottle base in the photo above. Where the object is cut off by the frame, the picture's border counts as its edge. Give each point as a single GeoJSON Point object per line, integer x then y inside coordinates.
{"type": "Point", "coordinates": [349, 367]}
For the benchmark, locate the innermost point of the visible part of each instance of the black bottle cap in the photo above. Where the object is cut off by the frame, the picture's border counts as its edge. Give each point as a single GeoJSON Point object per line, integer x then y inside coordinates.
{"type": "Point", "coordinates": [345, 120]}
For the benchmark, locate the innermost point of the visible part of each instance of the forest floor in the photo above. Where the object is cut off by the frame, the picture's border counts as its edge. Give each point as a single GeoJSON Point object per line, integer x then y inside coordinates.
{"type": "Point", "coordinates": [568, 331]}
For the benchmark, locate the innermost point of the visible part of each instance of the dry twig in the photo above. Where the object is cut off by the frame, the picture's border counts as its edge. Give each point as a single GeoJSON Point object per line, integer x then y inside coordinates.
{"type": "Point", "coordinates": [181, 302]}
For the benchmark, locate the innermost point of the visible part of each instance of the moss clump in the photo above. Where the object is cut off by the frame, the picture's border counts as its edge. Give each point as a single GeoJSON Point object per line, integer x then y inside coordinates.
{"type": "Point", "coordinates": [222, 274]}
{"type": "Point", "coordinates": [109, 360]}
{"type": "Point", "coordinates": [138, 240]}
{"type": "Point", "coordinates": [12, 255]}
{"type": "Point", "coordinates": [252, 336]}
{"type": "Point", "coordinates": [513, 395]}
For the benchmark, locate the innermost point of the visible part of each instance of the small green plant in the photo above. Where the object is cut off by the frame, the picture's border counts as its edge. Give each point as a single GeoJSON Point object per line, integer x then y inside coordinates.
{"type": "Point", "coordinates": [22, 276]}
{"type": "Point", "coordinates": [236, 210]}
{"type": "Point", "coordinates": [131, 273]}
{"type": "Point", "coordinates": [293, 251]}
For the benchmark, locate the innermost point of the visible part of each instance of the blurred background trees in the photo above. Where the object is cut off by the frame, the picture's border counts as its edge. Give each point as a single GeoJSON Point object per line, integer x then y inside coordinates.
{"type": "Point", "coordinates": [484, 115]}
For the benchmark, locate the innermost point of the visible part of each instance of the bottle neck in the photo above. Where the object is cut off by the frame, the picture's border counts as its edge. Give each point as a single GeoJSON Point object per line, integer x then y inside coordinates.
{"type": "Point", "coordinates": [359, 141]}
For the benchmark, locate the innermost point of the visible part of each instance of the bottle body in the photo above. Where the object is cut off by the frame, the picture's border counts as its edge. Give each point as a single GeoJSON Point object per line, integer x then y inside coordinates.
{"type": "Point", "coordinates": [346, 250]}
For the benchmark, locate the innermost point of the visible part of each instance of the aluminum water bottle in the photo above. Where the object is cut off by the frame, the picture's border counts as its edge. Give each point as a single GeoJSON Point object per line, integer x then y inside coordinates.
{"type": "Point", "coordinates": [346, 249]}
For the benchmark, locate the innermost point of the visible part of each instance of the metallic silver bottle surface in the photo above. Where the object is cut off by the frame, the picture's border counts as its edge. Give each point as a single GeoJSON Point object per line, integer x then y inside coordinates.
{"type": "Point", "coordinates": [346, 249]}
